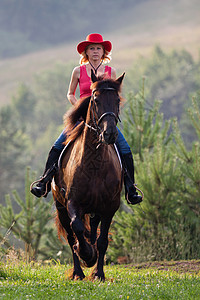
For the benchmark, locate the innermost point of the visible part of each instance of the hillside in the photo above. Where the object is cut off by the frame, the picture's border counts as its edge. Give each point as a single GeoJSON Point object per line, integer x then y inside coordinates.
{"type": "Point", "coordinates": [134, 31]}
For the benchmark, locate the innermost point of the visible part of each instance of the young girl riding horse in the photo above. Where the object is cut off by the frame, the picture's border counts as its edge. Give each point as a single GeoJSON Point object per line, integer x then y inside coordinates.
{"type": "Point", "coordinates": [94, 53]}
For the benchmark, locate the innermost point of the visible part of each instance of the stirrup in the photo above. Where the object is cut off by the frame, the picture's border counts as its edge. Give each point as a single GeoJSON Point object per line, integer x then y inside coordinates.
{"type": "Point", "coordinates": [44, 194]}
{"type": "Point", "coordinates": [46, 178]}
{"type": "Point", "coordinates": [135, 185]}
{"type": "Point", "coordinates": [136, 195]}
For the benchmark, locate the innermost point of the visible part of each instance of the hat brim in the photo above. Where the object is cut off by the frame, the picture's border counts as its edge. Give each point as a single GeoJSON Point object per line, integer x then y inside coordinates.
{"type": "Point", "coordinates": [82, 45]}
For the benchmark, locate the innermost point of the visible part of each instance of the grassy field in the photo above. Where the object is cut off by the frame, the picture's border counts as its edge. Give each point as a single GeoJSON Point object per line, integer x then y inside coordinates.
{"type": "Point", "coordinates": [168, 280]}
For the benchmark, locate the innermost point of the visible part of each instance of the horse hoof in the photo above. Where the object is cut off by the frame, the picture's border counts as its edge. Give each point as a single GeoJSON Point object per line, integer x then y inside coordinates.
{"type": "Point", "coordinates": [74, 275]}
{"type": "Point", "coordinates": [78, 276]}
{"type": "Point", "coordinates": [92, 259]}
{"type": "Point", "coordinates": [100, 278]}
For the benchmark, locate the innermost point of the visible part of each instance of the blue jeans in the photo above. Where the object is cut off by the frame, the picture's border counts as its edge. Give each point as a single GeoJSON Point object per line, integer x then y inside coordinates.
{"type": "Point", "coordinates": [122, 145]}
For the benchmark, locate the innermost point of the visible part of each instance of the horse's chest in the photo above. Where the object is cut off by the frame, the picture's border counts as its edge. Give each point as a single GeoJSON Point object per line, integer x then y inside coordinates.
{"type": "Point", "coordinates": [93, 163]}
{"type": "Point", "coordinates": [96, 186]}
{"type": "Point", "coordinates": [94, 180]}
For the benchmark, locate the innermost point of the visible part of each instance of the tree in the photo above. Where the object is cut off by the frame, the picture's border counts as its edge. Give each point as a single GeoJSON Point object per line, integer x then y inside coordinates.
{"type": "Point", "coordinates": [50, 92]}
{"type": "Point", "coordinates": [189, 165]}
{"type": "Point", "coordinates": [14, 143]}
{"type": "Point", "coordinates": [33, 224]}
{"type": "Point", "coordinates": [167, 224]}
{"type": "Point", "coordinates": [23, 103]}
{"type": "Point", "coordinates": [141, 124]}
{"type": "Point", "coordinates": [172, 77]}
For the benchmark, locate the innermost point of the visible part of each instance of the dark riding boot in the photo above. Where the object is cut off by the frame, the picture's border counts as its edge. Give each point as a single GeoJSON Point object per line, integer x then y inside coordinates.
{"type": "Point", "coordinates": [43, 186]}
{"type": "Point", "coordinates": [131, 195]}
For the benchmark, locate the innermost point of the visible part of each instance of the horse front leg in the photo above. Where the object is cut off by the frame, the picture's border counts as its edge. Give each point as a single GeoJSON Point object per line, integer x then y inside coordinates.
{"type": "Point", "coordinates": [65, 222]}
{"type": "Point", "coordinates": [86, 251]}
{"type": "Point", "coordinates": [102, 245]}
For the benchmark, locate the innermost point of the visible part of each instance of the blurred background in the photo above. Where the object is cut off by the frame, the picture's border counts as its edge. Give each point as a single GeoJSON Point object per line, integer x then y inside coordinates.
{"type": "Point", "coordinates": [155, 42]}
{"type": "Point", "coordinates": [35, 35]}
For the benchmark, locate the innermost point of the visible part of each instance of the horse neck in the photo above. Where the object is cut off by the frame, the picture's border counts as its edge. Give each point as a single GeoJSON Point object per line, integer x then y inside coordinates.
{"type": "Point", "coordinates": [92, 157]}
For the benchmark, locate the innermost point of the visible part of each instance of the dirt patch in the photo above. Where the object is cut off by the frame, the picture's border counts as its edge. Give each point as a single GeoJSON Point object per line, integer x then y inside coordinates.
{"type": "Point", "coordinates": [182, 266]}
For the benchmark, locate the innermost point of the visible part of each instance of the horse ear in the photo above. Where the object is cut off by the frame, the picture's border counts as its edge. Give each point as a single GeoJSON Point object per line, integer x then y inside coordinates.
{"type": "Point", "coordinates": [93, 76]}
{"type": "Point", "coordinates": [119, 79]}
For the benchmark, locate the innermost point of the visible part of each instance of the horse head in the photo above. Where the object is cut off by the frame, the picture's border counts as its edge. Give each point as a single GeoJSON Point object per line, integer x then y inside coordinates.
{"type": "Point", "coordinates": [105, 102]}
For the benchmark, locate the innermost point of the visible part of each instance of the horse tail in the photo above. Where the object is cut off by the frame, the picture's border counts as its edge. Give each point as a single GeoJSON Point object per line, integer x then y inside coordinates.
{"type": "Point", "coordinates": [60, 229]}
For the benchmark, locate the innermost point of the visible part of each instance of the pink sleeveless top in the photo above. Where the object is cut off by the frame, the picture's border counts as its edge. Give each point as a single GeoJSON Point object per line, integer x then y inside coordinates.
{"type": "Point", "coordinates": [85, 81]}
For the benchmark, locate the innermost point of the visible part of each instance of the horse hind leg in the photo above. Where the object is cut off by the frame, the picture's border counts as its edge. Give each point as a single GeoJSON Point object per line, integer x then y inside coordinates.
{"type": "Point", "coordinates": [65, 223]}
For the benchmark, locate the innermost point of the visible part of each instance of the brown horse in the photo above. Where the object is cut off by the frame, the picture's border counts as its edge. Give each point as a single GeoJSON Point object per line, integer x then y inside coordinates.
{"type": "Point", "coordinates": [89, 181]}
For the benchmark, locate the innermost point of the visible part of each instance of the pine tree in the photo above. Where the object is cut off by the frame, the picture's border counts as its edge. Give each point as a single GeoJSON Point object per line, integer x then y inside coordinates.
{"type": "Point", "coordinates": [13, 150]}
{"type": "Point", "coordinates": [189, 164]}
{"type": "Point", "coordinates": [33, 225]}
{"type": "Point", "coordinates": [142, 122]}
{"type": "Point", "coordinates": [166, 225]}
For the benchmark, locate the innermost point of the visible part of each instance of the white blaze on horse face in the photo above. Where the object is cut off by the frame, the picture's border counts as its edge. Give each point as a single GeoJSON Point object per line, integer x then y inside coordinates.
{"type": "Point", "coordinates": [109, 133]}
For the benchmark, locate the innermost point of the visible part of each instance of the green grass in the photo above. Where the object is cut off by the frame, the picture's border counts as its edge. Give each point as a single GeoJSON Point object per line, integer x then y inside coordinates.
{"type": "Point", "coordinates": [36, 281]}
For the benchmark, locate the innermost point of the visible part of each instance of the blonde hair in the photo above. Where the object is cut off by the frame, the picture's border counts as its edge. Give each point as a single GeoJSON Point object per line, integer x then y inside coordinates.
{"type": "Point", "coordinates": [84, 58]}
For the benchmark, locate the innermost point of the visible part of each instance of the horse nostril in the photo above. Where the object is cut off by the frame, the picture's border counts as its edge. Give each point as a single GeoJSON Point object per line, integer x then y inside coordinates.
{"type": "Point", "coordinates": [110, 136]}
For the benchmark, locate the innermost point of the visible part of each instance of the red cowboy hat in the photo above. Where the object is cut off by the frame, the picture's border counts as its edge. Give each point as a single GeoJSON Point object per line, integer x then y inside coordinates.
{"type": "Point", "coordinates": [94, 38]}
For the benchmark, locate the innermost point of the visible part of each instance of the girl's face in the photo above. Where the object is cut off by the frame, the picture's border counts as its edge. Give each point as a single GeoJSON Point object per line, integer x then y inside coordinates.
{"type": "Point", "coordinates": [95, 52]}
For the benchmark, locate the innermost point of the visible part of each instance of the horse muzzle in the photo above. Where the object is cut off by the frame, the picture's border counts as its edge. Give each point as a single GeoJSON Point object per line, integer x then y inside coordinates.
{"type": "Point", "coordinates": [109, 136]}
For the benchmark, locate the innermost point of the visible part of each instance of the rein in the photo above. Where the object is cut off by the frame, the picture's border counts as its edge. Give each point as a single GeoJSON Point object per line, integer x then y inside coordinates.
{"type": "Point", "coordinates": [95, 69]}
{"type": "Point", "coordinates": [96, 122]}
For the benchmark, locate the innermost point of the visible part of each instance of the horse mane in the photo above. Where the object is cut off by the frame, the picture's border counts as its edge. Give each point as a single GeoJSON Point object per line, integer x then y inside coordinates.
{"type": "Point", "coordinates": [77, 113]}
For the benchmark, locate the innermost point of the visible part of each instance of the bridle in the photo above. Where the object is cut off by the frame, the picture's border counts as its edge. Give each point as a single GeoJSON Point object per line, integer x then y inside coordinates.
{"type": "Point", "coordinates": [96, 121]}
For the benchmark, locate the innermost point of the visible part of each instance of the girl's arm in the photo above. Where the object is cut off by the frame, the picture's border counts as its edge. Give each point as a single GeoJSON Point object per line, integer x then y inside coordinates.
{"type": "Point", "coordinates": [73, 85]}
